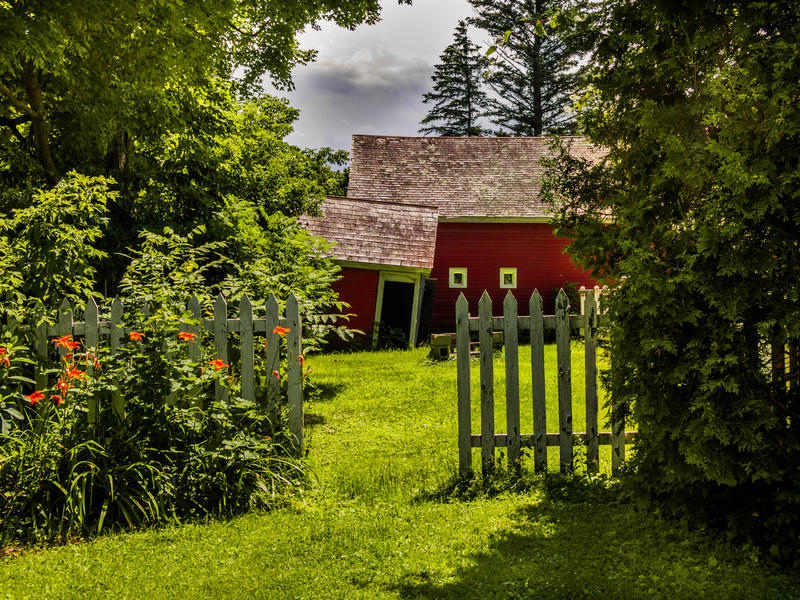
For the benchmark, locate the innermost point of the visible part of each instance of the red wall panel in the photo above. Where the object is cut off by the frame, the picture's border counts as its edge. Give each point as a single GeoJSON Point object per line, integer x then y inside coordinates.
{"type": "Point", "coordinates": [483, 248]}
{"type": "Point", "coordinates": [359, 288]}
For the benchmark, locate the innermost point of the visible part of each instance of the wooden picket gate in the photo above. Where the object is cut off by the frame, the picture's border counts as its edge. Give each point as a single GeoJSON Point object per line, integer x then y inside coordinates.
{"type": "Point", "coordinates": [93, 329]}
{"type": "Point", "coordinates": [511, 324]}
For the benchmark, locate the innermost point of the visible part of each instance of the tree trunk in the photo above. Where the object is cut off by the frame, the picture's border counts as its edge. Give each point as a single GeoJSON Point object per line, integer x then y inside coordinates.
{"type": "Point", "coordinates": [538, 117]}
{"type": "Point", "coordinates": [39, 125]}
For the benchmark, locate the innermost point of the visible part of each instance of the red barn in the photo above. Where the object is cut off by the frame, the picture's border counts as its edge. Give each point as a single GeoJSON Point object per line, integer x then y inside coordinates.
{"type": "Point", "coordinates": [493, 230]}
{"type": "Point", "coordinates": [386, 252]}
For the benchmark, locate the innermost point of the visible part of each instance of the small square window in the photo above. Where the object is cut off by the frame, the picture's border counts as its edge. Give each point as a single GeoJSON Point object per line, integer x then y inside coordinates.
{"type": "Point", "coordinates": [508, 278]}
{"type": "Point", "coordinates": [458, 277]}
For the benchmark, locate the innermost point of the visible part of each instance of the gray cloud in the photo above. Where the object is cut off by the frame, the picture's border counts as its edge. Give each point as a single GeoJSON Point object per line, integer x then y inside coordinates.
{"type": "Point", "coordinates": [371, 80]}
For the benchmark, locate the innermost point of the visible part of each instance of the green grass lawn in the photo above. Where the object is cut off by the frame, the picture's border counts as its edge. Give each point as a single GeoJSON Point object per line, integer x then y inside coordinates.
{"type": "Point", "coordinates": [382, 440]}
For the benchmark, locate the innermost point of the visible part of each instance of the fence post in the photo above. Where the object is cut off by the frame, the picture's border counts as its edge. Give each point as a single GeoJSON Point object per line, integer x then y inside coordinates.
{"type": "Point", "coordinates": [464, 400]}
{"type": "Point", "coordinates": [537, 383]}
{"type": "Point", "coordinates": [590, 382]}
{"type": "Point", "coordinates": [91, 340]}
{"type": "Point", "coordinates": [64, 326]}
{"type": "Point", "coordinates": [246, 347]}
{"type": "Point", "coordinates": [582, 295]}
{"type": "Point", "coordinates": [487, 382]}
{"type": "Point", "coordinates": [115, 341]}
{"type": "Point", "coordinates": [778, 360]}
{"type": "Point", "coordinates": [220, 343]}
{"type": "Point", "coordinates": [564, 382]}
{"type": "Point", "coordinates": [617, 432]}
{"type": "Point", "coordinates": [511, 342]}
{"type": "Point", "coordinates": [295, 373]}
{"type": "Point", "coordinates": [273, 343]}
{"type": "Point", "coordinates": [195, 347]}
{"type": "Point", "coordinates": [40, 348]}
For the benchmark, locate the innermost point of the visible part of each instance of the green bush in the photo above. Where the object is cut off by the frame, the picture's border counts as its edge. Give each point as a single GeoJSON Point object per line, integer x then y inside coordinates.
{"type": "Point", "coordinates": [690, 213]}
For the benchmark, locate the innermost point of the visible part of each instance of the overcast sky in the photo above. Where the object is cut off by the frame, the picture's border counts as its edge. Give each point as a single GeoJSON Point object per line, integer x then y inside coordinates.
{"type": "Point", "coordinates": [371, 80]}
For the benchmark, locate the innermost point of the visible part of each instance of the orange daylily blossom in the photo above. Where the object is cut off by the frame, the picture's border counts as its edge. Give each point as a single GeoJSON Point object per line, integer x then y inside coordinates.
{"type": "Point", "coordinates": [277, 375]}
{"type": "Point", "coordinates": [58, 399]}
{"type": "Point", "coordinates": [66, 341]}
{"type": "Point", "coordinates": [4, 355]}
{"type": "Point", "coordinates": [281, 331]}
{"type": "Point", "coordinates": [136, 336]}
{"type": "Point", "coordinates": [186, 336]}
{"type": "Point", "coordinates": [35, 397]}
{"type": "Point", "coordinates": [218, 364]}
{"type": "Point", "coordinates": [63, 342]}
{"type": "Point", "coordinates": [301, 359]}
{"type": "Point", "coordinates": [73, 373]}
{"type": "Point", "coordinates": [63, 386]}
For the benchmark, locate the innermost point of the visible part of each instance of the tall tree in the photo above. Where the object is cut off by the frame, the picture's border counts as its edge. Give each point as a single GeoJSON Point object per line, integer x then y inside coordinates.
{"type": "Point", "coordinates": [533, 75]}
{"type": "Point", "coordinates": [458, 99]}
{"type": "Point", "coordinates": [692, 216]}
{"type": "Point", "coordinates": [82, 79]}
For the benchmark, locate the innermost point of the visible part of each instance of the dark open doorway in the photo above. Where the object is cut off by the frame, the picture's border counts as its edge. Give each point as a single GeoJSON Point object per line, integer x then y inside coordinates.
{"type": "Point", "coordinates": [396, 309]}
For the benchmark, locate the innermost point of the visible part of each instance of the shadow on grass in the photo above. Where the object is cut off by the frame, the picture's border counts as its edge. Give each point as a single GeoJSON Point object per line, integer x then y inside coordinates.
{"type": "Point", "coordinates": [503, 479]}
{"type": "Point", "coordinates": [310, 419]}
{"type": "Point", "coordinates": [324, 392]}
{"type": "Point", "coordinates": [581, 538]}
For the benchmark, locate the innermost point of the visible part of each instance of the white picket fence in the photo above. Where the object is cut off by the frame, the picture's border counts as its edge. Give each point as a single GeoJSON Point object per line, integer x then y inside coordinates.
{"type": "Point", "coordinates": [513, 440]}
{"type": "Point", "coordinates": [97, 330]}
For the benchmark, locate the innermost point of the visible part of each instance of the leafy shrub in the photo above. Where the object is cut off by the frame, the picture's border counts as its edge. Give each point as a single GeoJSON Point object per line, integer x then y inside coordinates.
{"type": "Point", "coordinates": [690, 213]}
{"type": "Point", "coordinates": [47, 249]}
{"type": "Point", "coordinates": [64, 476]}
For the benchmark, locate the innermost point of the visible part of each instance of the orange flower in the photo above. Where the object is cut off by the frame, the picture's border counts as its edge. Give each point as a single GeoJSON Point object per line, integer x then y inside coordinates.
{"type": "Point", "coordinates": [4, 354]}
{"type": "Point", "coordinates": [65, 341]}
{"type": "Point", "coordinates": [136, 336]}
{"type": "Point", "coordinates": [74, 345]}
{"type": "Point", "coordinates": [277, 375]}
{"type": "Point", "coordinates": [58, 399]}
{"type": "Point", "coordinates": [73, 373]}
{"type": "Point", "coordinates": [281, 331]}
{"type": "Point", "coordinates": [186, 336]}
{"type": "Point", "coordinates": [218, 364]}
{"type": "Point", "coordinates": [35, 397]}
{"type": "Point", "coordinates": [63, 386]}
{"type": "Point", "coordinates": [301, 359]}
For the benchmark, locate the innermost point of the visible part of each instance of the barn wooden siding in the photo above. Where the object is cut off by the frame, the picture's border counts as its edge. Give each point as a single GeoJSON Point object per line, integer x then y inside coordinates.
{"type": "Point", "coordinates": [359, 288]}
{"type": "Point", "coordinates": [483, 248]}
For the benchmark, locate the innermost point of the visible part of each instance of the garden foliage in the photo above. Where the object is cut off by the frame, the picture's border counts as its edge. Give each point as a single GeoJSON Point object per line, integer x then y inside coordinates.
{"type": "Point", "coordinates": [139, 159]}
{"type": "Point", "coordinates": [691, 215]}
{"type": "Point", "coordinates": [172, 452]}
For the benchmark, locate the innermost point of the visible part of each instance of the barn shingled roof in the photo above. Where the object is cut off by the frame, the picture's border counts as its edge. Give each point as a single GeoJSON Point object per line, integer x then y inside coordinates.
{"type": "Point", "coordinates": [377, 232]}
{"type": "Point", "coordinates": [461, 176]}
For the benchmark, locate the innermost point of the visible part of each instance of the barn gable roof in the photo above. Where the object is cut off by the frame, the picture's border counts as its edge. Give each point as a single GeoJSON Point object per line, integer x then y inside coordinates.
{"type": "Point", "coordinates": [464, 177]}
{"type": "Point", "coordinates": [377, 232]}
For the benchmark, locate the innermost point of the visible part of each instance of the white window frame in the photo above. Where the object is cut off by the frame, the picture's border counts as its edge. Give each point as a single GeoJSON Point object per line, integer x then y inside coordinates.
{"type": "Point", "coordinates": [508, 271]}
{"type": "Point", "coordinates": [451, 278]}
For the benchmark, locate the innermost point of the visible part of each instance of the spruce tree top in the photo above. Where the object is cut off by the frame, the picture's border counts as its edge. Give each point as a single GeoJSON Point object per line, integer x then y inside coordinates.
{"type": "Point", "coordinates": [458, 102]}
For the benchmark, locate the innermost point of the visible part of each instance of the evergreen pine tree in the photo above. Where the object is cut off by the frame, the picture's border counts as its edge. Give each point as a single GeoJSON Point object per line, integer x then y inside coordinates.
{"type": "Point", "coordinates": [534, 76]}
{"type": "Point", "coordinates": [457, 97]}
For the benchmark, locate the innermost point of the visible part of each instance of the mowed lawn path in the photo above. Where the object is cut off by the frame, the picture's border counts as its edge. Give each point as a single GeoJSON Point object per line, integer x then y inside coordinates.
{"type": "Point", "coordinates": [382, 442]}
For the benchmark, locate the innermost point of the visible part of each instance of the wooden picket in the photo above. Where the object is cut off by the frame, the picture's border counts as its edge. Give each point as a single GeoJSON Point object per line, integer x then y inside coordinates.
{"type": "Point", "coordinates": [95, 331]}
{"type": "Point", "coordinates": [511, 324]}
